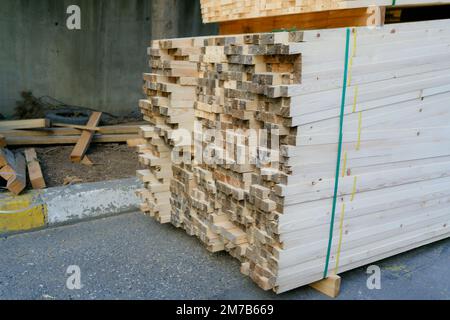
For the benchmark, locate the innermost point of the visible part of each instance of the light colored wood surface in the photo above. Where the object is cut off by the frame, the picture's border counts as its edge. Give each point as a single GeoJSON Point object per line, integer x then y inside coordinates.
{"type": "Point", "coordinates": [24, 124]}
{"type": "Point", "coordinates": [227, 10]}
{"type": "Point", "coordinates": [34, 169]}
{"type": "Point", "coordinates": [53, 140]}
{"type": "Point", "coordinates": [306, 21]}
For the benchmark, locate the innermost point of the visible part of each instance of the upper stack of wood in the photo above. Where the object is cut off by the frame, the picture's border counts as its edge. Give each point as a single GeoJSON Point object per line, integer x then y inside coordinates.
{"type": "Point", "coordinates": [226, 10]}
{"type": "Point", "coordinates": [276, 218]}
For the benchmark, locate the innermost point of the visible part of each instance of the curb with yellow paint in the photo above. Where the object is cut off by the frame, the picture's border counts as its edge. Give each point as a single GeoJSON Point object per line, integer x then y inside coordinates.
{"type": "Point", "coordinates": [68, 204]}
{"type": "Point", "coordinates": [21, 213]}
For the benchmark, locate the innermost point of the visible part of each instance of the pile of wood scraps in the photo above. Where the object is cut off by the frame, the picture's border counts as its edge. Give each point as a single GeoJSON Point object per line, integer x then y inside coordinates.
{"type": "Point", "coordinates": [361, 121]}
{"type": "Point", "coordinates": [41, 132]}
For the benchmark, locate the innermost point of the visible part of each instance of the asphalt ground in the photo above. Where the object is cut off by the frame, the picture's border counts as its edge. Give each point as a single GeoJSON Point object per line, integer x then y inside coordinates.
{"type": "Point", "coordinates": [132, 257]}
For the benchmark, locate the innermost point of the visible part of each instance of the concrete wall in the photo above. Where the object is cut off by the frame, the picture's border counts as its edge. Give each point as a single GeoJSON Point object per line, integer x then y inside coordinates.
{"type": "Point", "coordinates": [99, 66]}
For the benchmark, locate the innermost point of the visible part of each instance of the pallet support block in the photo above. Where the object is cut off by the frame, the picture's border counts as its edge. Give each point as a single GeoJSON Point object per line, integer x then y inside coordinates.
{"type": "Point", "coordinates": [330, 286]}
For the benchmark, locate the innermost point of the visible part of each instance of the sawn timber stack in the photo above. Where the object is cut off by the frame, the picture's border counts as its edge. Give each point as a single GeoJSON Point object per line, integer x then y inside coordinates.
{"type": "Point", "coordinates": [227, 10]}
{"type": "Point", "coordinates": [284, 220]}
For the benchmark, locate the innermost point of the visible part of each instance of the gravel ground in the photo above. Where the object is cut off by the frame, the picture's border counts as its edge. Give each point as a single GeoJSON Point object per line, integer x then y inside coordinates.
{"type": "Point", "coordinates": [132, 257]}
{"type": "Point", "coordinates": [111, 161]}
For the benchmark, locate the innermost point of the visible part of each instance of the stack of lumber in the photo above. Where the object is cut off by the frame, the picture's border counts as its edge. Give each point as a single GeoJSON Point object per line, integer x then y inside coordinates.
{"type": "Point", "coordinates": [355, 165]}
{"type": "Point", "coordinates": [226, 10]}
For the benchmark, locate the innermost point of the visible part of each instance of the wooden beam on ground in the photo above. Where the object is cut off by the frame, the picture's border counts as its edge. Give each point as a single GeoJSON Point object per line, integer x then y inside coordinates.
{"type": "Point", "coordinates": [86, 137]}
{"type": "Point", "coordinates": [24, 124]}
{"type": "Point", "coordinates": [54, 140]}
{"type": "Point", "coordinates": [75, 126]}
{"type": "Point", "coordinates": [306, 21]}
{"type": "Point", "coordinates": [329, 286]}
{"type": "Point", "coordinates": [117, 129]}
{"type": "Point", "coordinates": [34, 169]}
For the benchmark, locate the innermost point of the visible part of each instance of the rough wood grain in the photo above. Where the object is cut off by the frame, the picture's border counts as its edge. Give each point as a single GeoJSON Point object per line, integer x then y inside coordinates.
{"type": "Point", "coordinates": [34, 169]}
{"type": "Point", "coordinates": [86, 137]}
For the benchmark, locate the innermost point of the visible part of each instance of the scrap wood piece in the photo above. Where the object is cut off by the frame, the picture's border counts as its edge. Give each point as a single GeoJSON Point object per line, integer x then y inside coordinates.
{"type": "Point", "coordinates": [6, 164]}
{"type": "Point", "coordinates": [86, 137]}
{"type": "Point", "coordinates": [2, 141]}
{"type": "Point", "coordinates": [71, 180]}
{"type": "Point", "coordinates": [4, 153]}
{"type": "Point", "coordinates": [14, 172]}
{"type": "Point", "coordinates": [34, 169]}
{"type": "Point", "coordinates": [24, 124]}
{"type": "Point", "coordinates": [87, 162]}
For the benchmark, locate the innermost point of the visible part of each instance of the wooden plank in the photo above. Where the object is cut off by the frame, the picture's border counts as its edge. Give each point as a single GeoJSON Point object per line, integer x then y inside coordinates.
{"type": "Point", "coordinates": [55, 140]}
{"type": "Point", "coordinates": [330, 286]}
{"type": "Point", "coordinates": [34, 169]}
{"type": "Point", "coordinates": [24, 124]}
{"type": "Point", "coordinates": [86, 137]}
{"type": "Point", "coordinates": [214, 11]}
{"type": "Point", "coordinates": [304, 21]}
{"type": "Point", "coordinates": [67, 125]}
{"type": "Point", "coordinates": [106, 130]}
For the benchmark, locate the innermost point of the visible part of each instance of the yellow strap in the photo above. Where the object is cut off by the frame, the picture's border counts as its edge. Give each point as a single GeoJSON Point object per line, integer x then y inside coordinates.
{"type": "Point", "coordinates": [355, 179]}
{"type": "Point", "coordinates": [355, 99]}
{"type": "Point", "coordinates": [351, 59]}
{"type": "Point", "coordinates": [358, 144]}
{"type": "Point", "coordinates": [341, 227]}
{"type": "Point", "coordinates": [344, 166]}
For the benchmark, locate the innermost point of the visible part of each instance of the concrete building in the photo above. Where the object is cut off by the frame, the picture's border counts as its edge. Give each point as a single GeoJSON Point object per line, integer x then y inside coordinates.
{"type": "Point", "coordinates": [99, 66]}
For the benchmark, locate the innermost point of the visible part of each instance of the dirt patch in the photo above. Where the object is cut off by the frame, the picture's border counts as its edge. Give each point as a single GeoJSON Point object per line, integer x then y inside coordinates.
{"type": "Point", "coordinates": [110, 162]}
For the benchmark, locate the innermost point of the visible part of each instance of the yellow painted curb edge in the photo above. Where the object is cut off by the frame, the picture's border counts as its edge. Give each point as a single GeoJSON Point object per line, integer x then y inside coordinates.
{"type": "Point", "coordinates": [22, 213]}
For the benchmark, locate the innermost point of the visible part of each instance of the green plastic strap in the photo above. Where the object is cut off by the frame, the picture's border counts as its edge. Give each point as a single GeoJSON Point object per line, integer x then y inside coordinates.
{"type": "Point", "coordinates": [338, 162]}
